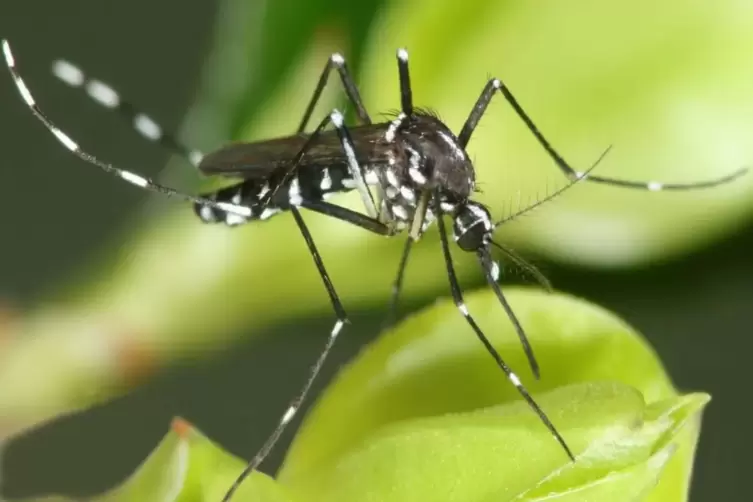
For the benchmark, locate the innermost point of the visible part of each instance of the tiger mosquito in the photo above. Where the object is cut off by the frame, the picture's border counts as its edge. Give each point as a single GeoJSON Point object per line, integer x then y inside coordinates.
{"type": "Point", "coordinates": [409, 172]}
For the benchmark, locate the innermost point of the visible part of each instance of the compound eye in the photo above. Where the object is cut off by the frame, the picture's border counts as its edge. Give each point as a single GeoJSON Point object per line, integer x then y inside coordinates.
{"type": "Point", "coordinates": [471, 238]}
{"type": "Point", "coordinates": [472, 226]}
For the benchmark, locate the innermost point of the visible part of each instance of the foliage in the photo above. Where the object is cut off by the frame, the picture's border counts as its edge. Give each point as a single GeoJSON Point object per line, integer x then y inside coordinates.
{"type": "Point", "coordinates": [424, 414]}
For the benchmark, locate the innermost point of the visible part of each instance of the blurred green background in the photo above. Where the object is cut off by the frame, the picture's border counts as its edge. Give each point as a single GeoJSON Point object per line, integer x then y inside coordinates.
{"type": "Point", "coordinates": [590, 77]}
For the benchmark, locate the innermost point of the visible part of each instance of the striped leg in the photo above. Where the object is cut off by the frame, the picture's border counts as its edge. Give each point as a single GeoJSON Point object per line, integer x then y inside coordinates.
{"type": "Point", "coordinates": [108, 97]}
{"type": "Point", "coordinates": [494, 85]}
{"type": "Point", "coordinates": [127, 176]}
{"type": "Point", "coordinates": [457, 296]}
{"type": "Point", "coordinates": [354, 168]}
{"type": "Point", "coordinates": [336, 62]}
{"type": "Point", "coordinates": [406, 93]}
{"type": "Point", "coordinates": [296, 403]}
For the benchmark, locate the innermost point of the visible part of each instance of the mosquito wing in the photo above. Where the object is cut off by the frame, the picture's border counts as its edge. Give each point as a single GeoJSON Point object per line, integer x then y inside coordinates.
{"type": "Point", "coordinates": [259, 160]}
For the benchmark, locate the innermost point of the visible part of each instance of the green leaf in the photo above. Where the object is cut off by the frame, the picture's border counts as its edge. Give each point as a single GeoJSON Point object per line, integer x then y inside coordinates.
{"type": "Point", "coordinates": [187, 467]}
{"type": "Point", "coordinates": [424, 413]}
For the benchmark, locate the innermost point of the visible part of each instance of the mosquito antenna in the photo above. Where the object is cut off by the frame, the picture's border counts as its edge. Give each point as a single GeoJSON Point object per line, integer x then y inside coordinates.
{"type": "Point", "coordinates": [128, 176]}
{"type": "Point", "coordinates": [521, 262]}
{"type": "Point", "coordinates": [581, 176]}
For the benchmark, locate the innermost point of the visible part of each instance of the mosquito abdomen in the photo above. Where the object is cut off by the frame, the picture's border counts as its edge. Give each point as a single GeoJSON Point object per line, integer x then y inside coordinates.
{"type": "Point", "coordinates": [248, 193]}
{"type": "Point", "coordinates": [313, 183]}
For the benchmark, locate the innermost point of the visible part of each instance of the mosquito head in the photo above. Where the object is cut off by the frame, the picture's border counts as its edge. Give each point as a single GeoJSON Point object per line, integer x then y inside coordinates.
{"type": "Point", "coordinates": [472, 226]}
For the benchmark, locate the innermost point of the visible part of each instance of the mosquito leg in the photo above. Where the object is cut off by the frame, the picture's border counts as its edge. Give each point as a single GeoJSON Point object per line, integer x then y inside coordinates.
{"type": "Point", "coordinates": [127, 176]}
{"type": "Point", "coordinates": [495, 85]}
{"type": "Point", "coordinates": [416, 230]}
{"type": "Point", "coordinates": [406, 95]}
{"type": "Point", "coordinates": [296, 403]}
{"type": "Point", "coordinates": [457, 296]}
{"type": "Point", "coordinates": [397, 285]}
{"type": "Point", "coordinates": [336, 61]}
{"type": "Point", "coordinates": [355, 169]}
{"type": "Point", "coordinates": [348, 216]}
{"type": "Point", "coordinates": [109, 98]}
{"type": "Point", "coordinates": [372, 225]}
{"type": "Point", "coordinates": [491, 272]}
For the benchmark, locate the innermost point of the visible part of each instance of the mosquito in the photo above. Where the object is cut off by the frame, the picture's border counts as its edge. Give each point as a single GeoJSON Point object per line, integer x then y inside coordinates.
{"type": "Point", "coordinates": [409, 172]}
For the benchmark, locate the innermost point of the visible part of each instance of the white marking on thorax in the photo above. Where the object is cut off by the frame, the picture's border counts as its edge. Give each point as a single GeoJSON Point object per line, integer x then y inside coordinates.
{"type": "Point", "coordinates": [389, 136]}
{"type": "Point", "coordinates": [414, 158]}
{"type": "Point", "coordinates": [414, 171]}
{"type": "Point", "coordinates": [459, 153]}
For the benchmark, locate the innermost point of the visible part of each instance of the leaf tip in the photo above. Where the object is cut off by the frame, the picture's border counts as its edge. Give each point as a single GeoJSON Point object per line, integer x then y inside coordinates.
{"type": "Point", "coordinates": [181, 427]}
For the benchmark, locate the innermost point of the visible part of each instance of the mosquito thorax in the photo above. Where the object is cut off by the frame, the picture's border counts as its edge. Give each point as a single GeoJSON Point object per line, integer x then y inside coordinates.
{"type": "Point", "coordinates": [429, 155]}
{"type": "Point", "coordinates": [472, 226]}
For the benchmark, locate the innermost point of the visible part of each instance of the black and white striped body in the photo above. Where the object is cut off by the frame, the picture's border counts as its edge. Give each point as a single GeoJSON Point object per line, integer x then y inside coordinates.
{"type": "Point", "coordinates": [417, 168]}
{"type": "Point", "coordinates": [400, 159]}
{"type": "Point", "coordinates": [309, 185]}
